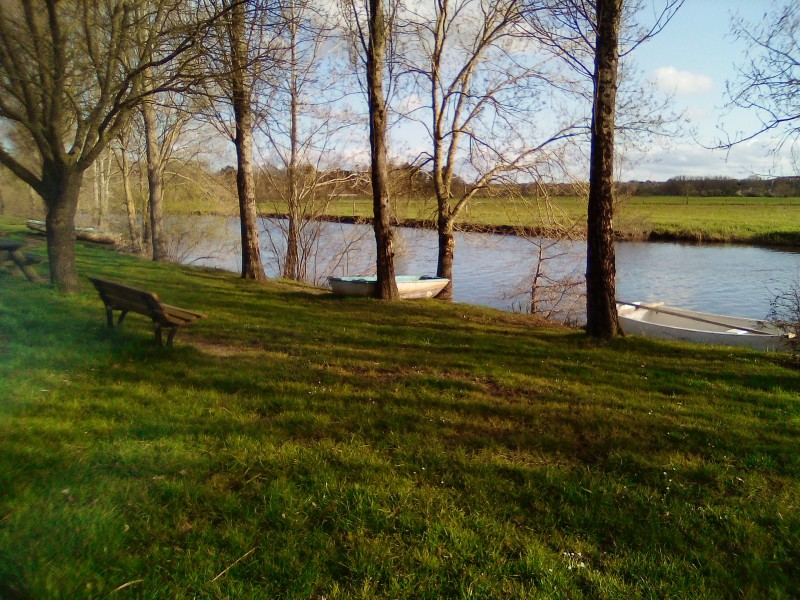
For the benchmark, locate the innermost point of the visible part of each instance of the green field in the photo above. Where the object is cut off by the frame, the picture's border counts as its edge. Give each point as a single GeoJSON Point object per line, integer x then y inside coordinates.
{"type": "Point", "coordinates": [295, 445]}
{"type": "Point", "coordinates": [774, 221]}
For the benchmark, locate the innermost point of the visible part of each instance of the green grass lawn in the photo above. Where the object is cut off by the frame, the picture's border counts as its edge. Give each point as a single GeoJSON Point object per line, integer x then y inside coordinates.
{"type": "Point", "coordinates": [742, 220]}
{"type": "Point", "coordinates": [295, 445]}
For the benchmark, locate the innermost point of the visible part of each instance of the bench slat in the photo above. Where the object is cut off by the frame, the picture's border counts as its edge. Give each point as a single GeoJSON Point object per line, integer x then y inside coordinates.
{"type": "Point", "coordinates": [133, 303]}
{"type": "Point", "coordinates": [181, 313]}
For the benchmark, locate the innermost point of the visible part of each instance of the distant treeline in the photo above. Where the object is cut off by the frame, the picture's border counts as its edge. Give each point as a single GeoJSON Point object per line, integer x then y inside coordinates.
{"type": "Point", "coordinates": [410, 181]}
{"type": "Point", "coordinates": [777, 187]}
{"type": "Point", "coordinates": [407, 180]}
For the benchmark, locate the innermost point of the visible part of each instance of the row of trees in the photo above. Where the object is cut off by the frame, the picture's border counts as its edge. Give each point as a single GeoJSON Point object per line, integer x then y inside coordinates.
{"type": "Point", "coordinates": [502, 90]}
{"type": "Point", "coordinates": [715, 186]}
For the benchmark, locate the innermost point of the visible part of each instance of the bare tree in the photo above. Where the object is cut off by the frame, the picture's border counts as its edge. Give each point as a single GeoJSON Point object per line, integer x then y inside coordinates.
{"type": "Point", "coordinates": [483, 98]}
{"type": "Point", "coordinates": [785, 314]}
{"type": "Point", "coordinates": [601, 307]}
{"type": "Point", "coordinates": [121, 150]}
{"type": "Point", "coordinates": [154, 155]}
{"type": "Point", "coordinates": [300, 202]}
{"type": "Point", "coordinates": [552, 288]}
{"type": "Point", "coordinates": [170, 138]}
{"type": "Point", "coordinates": [238, 62]}
{"type": "Point", "coordinates": [70, 75]}
{"type": "Point", "coordinates": [302, 127]}
{"type": "Point", "coordinates": [101, 181]}
{"type": "Point", "coordinates": [768, 82]}
{"type": "Point", "coordinates": [241, 100]}
{"type": "Point", "coordinates": [156, 159]}
{"type": "Point", "coordinates": [591, 36]}
{"type": "Point", "coordinates": [371, 26]}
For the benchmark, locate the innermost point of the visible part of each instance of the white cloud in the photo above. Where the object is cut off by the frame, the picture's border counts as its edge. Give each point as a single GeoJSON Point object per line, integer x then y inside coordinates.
{"type": "Point", "coordinates": [683, 83]}
{"type": "Point", "coordinates": [695, 161]}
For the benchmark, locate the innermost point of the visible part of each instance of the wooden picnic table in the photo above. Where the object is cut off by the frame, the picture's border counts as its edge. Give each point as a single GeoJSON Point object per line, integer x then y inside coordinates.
{"type": "Point", "coordinates": [11, 252]}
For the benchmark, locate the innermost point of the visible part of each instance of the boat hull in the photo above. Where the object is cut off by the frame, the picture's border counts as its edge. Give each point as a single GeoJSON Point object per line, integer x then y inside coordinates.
{"type": "Point", "coordinates": [410, 287]}
{"type": "Point", "coordinates": [87, 234]}
{"type": "Point", "coordinates": [663, 322]}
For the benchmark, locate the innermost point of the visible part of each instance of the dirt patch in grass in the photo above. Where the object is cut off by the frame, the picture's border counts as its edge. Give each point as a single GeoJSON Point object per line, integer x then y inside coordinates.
{"type": "Point", "coordinates": [216, 348]}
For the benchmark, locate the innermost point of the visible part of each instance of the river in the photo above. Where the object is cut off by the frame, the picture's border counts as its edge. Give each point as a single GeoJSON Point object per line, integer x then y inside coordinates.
{"type": "Point", "coordinates": [495, 270]}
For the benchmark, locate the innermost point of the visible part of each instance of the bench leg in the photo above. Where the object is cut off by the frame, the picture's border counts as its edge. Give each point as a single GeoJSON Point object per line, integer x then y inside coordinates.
{"type": "Point", "coordinates": [110, 317]}
{"type": "Point", "coordinates": [160, 338]}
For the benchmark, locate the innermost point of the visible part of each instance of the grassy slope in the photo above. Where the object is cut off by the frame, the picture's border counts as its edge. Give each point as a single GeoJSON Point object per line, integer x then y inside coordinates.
{"type": "Point", "coordinates": [751, 220]}
{"type": "Point", "coordinates": [295, 445]}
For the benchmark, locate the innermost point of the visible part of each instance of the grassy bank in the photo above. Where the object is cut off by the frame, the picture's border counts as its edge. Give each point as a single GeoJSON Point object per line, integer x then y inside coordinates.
{"type": "Point", "coordinates": [770, 221]}
{"type": "Point", "coordinates": [294, 445]}
{"type": "Point", "coordinates": [760, 221]}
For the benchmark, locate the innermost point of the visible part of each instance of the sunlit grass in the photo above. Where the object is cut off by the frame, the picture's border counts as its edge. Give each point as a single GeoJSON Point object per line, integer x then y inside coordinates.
{"type": "Point", "coordinates": [301, 446]}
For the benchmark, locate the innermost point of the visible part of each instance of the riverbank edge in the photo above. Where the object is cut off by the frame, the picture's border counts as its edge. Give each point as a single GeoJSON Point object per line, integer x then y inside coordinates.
{"type": "Point", "coordinates": [790, 240]}
{"type": "Point", "coordinates": [774, 239]}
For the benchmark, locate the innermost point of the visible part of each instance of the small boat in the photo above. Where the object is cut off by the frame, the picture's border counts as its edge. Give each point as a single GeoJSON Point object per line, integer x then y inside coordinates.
{"type": "Point", "coordinates": [410, 287]}
{"type": "Point", "coordinates": [665, 322]}
{"type": "Point", "coordinates": [87, 234]}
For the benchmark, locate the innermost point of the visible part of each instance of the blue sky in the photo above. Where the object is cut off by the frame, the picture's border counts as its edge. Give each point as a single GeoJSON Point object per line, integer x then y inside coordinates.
{"type": "Point", "coordinates": [693, 57]}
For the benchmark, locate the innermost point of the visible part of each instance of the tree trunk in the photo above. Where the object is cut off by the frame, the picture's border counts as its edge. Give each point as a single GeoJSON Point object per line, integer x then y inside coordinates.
{"type": "Point", "coordinates": [105, 176]}
{"type": "Point", "coordinates": [96, 194]}
{"type": "Point", "coordinates": [62, 189]}
{"type": "Point", "coordinates": [130, 207]}
{"type": "Point", "coordinates": [252, 267]}
{"type": "Point", "coordinates": [291, 265]}
{"type": "Point", "coordinates": [147, 236]}
{"type": "Point", "coordinates": [447, 246]}
{"type": "Point", "coordinates": [100, 169]}
{"type": "Point", "coordinates": [154, 181]}
{"type": "Point", "coordinates": [386, 287]}
{"type": "Point", "coordinates": [291, 268]}
{"type": "Point", "coordinates": [602, 320]}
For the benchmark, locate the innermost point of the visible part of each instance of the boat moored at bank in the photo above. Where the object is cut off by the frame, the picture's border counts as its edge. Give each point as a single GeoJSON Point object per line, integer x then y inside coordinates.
{"type": "Point", "coordinates": [666, 322]}
{"type": "Point", "coordinates": [410, 287]}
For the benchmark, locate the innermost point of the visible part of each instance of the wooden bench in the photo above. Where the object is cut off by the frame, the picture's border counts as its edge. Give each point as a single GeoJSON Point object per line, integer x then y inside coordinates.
{"type": "Point", "coordinates": [117, 296]}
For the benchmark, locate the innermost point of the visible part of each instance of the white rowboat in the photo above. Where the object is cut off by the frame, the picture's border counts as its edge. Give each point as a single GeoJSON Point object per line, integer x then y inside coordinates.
{"type": "Point", "coordinates": [665, 322]}
{"type": "Point", "coordinates": [88, 234]}
{"type": "Point", "coordinates": [410, 287]}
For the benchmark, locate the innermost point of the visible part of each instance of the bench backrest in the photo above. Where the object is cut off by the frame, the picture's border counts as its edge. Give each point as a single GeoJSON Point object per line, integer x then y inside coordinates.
{"type": "Point", "coordinates": [124, 297]}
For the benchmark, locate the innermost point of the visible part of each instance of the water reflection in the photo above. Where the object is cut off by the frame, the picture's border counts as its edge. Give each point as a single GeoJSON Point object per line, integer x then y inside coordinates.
{"type": "Point", "coordinates": [495, 270]}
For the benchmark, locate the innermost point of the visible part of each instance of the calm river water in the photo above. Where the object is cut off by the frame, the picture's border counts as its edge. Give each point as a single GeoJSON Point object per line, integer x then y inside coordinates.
{"type": "Point", "coordinates": [495, 270]}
